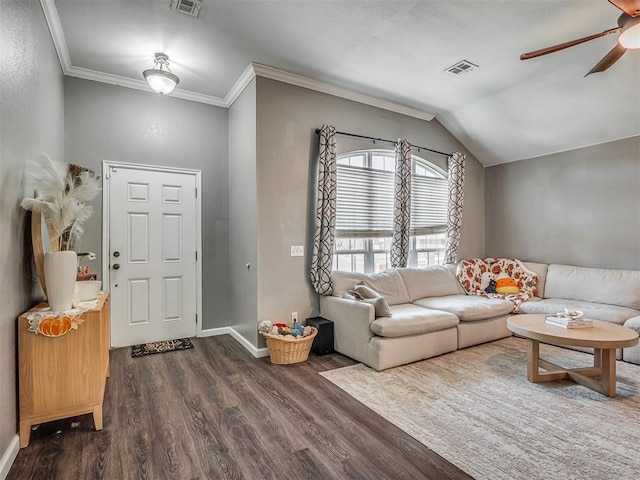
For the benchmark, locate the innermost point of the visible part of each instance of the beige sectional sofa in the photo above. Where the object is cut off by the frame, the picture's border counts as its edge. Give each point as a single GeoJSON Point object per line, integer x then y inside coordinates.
{"type": "Point", "coordinates": [432, 314]}
{"type": "Point", "coordinates": [602, 294]}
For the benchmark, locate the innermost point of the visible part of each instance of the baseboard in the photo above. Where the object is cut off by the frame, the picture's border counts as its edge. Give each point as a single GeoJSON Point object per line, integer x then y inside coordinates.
{"type": "Point", "coordinates": [256, 352]}
{"type": "Point", "coordinates": [9, 456]}
{"type": "Point", "coordinates": [213, 332]}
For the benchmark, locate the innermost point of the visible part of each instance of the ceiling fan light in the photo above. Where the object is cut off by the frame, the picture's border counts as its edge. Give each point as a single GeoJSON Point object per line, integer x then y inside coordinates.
{"type": "Point", "coordinates": [630, 36]}
{"type": "Point", "coordinates": [161, 81]}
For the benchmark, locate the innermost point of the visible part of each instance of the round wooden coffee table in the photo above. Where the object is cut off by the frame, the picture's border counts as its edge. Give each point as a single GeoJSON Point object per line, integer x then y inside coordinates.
{"type": "Point", "coordinates": [603, 337]}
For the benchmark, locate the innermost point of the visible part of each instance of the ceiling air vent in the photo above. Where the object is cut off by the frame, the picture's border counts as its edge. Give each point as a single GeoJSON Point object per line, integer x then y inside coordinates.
{"type": "Point", "coordinates": [190, 7]}
{"type": "Point", "coordinates": [462, 67]}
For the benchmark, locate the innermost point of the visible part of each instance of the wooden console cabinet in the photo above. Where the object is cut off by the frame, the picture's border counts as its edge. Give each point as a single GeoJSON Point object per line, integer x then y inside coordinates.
{"type": "Point", "coordinates": [64, 376]}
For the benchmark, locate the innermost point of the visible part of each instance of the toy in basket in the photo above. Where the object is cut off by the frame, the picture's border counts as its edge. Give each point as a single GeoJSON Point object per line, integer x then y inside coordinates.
{"type": "Point", "coordinates": [287, 344]}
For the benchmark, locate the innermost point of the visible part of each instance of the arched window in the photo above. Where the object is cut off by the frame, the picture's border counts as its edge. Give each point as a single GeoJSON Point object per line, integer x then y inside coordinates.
{"type": "Point", "coordinates": [364, 211]}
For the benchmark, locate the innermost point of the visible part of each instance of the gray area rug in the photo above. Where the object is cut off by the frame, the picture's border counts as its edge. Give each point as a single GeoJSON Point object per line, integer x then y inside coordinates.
{"type": "Point", "coordinates": [475, 408]}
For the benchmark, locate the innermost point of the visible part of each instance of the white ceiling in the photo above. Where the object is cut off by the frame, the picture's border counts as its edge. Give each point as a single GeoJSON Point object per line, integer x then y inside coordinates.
{"type": "Point", "coordinates": [397, 51]}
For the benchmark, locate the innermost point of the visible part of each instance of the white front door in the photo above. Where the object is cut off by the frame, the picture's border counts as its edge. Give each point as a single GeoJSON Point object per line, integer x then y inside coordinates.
{"type": "Point", "coordinates": [152, 254]}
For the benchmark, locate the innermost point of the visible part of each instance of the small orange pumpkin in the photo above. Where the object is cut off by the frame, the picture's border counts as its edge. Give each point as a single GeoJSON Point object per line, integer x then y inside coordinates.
{"type": "Point", "coordinates": [55, 326]}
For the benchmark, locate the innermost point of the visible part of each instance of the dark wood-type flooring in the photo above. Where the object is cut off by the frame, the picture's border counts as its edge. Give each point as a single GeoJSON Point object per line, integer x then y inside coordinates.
{"type": "Point", "coordinates": [215, 412]}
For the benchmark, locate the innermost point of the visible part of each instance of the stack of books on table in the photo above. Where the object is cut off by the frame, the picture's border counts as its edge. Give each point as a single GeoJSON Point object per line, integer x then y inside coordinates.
{"type": "Point", "coordinates": [568, 322]}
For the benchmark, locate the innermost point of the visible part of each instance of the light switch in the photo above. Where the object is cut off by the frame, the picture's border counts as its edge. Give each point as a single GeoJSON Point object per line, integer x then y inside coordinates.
{"type": "Point", "coordinates": [297, 251]}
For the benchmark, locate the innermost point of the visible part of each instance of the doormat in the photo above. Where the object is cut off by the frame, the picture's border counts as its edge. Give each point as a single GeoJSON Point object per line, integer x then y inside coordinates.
{"type": "Point", "coordinates": [160, 347]}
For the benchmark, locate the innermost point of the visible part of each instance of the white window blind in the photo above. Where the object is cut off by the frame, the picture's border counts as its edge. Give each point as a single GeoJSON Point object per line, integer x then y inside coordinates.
{"type": "Point", "coordinates": [364, 202]}
{"type": "Point", "coordinates": [428, 205]}
{"type": "Point", "coordinates": [365, 196]}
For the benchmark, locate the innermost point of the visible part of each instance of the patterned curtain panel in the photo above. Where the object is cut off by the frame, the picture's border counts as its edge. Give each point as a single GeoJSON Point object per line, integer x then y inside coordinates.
{"type": "Point", "coordinates": [401, 206]}
{"type": "Point", "coordinates": [454, 214]}
{"type": "Point", "coordinates": [322, 259]}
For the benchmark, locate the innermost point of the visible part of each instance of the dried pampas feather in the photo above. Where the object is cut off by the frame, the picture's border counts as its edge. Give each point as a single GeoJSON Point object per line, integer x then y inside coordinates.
{"type": "Point", "coordinates": [61, 193]}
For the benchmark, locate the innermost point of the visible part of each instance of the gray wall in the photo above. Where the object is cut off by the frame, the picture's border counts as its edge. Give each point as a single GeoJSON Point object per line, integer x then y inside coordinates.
{"type": "Point", "coordinates": [242, 214]}
{"type": "Point", "coordinates": [106, 122]}
{"type": "Point", "coordinates": [287, 162]}
{"type": "Point", "coordinates": [31, 122]}
{"type": "Point", "coordinates": [580, 207]}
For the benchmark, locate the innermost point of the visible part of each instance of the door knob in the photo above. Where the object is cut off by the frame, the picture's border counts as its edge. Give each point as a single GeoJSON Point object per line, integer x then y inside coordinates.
{"type": "Point", "coordinates": [116, 266]}
{"type": "Point", "coordinates": [116, 254]}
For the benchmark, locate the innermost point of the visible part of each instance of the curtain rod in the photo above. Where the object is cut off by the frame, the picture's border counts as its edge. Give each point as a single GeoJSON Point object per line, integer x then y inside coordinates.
{"type": "Point", "coordinates": [388, 141]}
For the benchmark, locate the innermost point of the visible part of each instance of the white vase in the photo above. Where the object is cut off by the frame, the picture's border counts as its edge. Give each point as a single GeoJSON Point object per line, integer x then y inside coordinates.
{"type": "Point", "coordinates": [60, 278]}
{"type": "Point", "coordinates": [75, 303]}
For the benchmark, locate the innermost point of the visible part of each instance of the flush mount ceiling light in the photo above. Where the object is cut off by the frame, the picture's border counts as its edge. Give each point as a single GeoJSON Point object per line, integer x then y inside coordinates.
{"type": "Point", "coordinates": [160, 78]}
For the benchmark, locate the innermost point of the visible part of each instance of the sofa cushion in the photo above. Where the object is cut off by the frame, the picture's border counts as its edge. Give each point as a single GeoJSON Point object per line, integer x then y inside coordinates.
{"type": "Point", "coordinates": [342, 282]}
{"type": "Point", "coordinates": [516, 298]}
{"type": "Point", "coordinates": [539, 269]}
{"type": "Point", "coordinates": [632, 354]}
{"type": "Point", "coordinates": [436, 281]}
{"type": "Point", "coordinates": [468, 308]}
{"type": "Point", "coordinates": [453, 268]}
{"type": "Point", "coordinates": [388, 283]}
{"type": "Point", "coordinates": [368, 295]}
{"type": "Point", "coordinates": [633, 323]}
{"type": "Point", "coordinates": [363, 291]}
{"type": "Point", "coordinates": [596, 311]}
{"type": "Point", "coordinates": [380, 305]}
{"type": "Point", "coordinates": [613, 287]}
{"type": "Point", "coordinates": [409, 319]}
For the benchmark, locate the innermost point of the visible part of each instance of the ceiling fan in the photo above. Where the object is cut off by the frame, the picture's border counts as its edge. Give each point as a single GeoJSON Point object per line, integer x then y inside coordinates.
{"type": "Point", "coordinates": [628, 27]}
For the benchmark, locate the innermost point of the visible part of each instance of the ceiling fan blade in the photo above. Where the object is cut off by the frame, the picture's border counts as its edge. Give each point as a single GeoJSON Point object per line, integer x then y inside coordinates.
{"type": "Point", "coordinates": [630, 7]}
{"type": "Point", "coordinates": [562, 46]}
{"type": "Point", "coordinates": [609, 59]}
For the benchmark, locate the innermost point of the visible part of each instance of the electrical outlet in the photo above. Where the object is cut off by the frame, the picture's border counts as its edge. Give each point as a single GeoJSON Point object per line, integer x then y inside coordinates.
{"type": "Point", "coordinates": [294, 317]}
{"type": "Point", "coordinates": [297, 251]}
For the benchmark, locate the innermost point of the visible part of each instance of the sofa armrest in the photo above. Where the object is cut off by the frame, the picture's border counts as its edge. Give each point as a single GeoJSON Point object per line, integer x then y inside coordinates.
{"type": "Point", "coordinates": [351, 324]}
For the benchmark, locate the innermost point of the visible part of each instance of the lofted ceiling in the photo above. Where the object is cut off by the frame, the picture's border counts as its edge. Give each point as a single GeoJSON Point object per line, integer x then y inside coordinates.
{"type": "Point", "coordinates": [395, 51]}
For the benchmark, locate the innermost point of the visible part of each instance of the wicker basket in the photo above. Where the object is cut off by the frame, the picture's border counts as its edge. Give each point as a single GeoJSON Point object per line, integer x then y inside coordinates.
{"type": "Point", "coordinates": [284, 351]}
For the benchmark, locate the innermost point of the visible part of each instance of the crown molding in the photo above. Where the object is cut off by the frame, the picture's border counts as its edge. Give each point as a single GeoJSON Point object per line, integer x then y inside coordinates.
{"type": "Point", "coordinates": [317, 85]}
{"type": "Point", "coordinates": [252, 70]}
{"type": "Point", "coordinates": [127, 82]}
{"type": "Point", "coordinates": [55, 28]}
{"type": "Point", "coordinates": [238, 87]}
